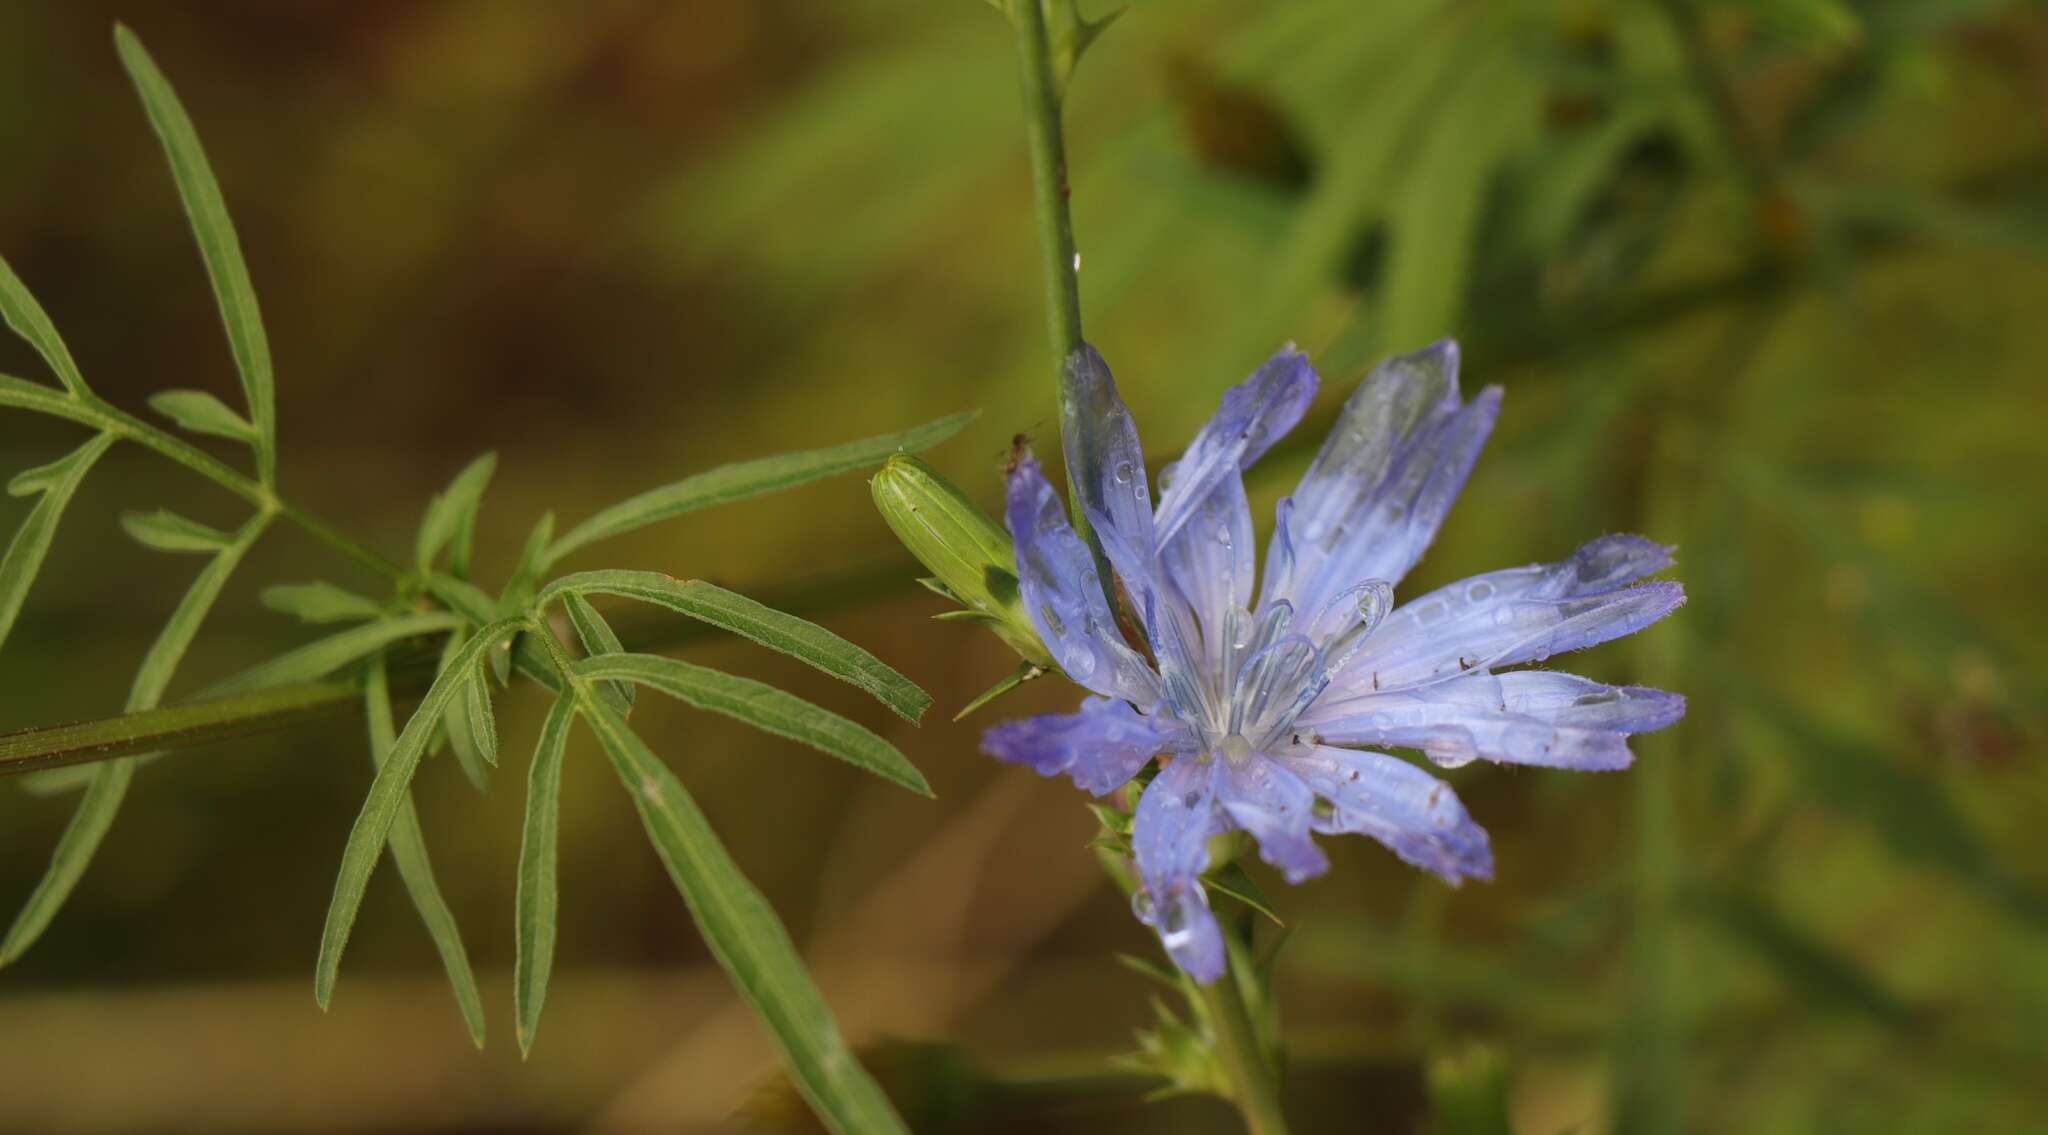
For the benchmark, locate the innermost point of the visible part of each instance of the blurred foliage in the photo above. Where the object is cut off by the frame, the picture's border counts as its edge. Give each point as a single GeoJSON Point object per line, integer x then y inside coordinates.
{"type": "Point", "coordinates": [1761, 278]}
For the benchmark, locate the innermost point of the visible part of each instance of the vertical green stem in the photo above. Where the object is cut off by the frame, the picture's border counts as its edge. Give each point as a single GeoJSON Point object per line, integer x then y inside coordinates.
{"type": "Point", "coordinates": [1254, 1081]}
{"type": "Point", "coordinates": [1047, 140]}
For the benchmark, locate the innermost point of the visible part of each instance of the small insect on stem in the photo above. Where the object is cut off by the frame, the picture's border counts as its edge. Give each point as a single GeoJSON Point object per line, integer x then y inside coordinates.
{"type": "Point", "coordinates": [1020, 448]}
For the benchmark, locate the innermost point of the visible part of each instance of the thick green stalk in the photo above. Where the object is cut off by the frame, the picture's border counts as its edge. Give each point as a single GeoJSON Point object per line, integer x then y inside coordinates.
{"type": "Point", "coordinates": [1047, 141]}
{"type": "Point", "coordinates": [1254, 1081]}
{"type": "Point", "coordinates": [1254, 1086]}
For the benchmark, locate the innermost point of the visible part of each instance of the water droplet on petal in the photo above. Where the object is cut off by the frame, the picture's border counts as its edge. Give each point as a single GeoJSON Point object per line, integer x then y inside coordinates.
{"type": "Point", "coordinates": [1124, 473]}
{"type": "Point", "coordinates": [1323, 809]}
{"type": "Point", "coordinates": [1479, 592]}
{"type": "Point", "coordinates": [1503, 616]}
{"type": "Point", "coordinates": [1052, 620]}
{"type": "Point", "coordinates": [1142, 905]}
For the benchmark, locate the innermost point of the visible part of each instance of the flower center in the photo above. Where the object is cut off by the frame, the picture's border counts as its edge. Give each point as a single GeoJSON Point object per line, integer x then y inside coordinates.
{"type": "Point", "coordinates": [1235, 749]}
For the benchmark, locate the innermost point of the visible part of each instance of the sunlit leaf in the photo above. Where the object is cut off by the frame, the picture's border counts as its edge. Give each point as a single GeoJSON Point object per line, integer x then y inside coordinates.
{"type": "Point", "coordinates": [217, 242]}
{"type": "Point", "coordinates": [774, 629]}
{"type": "Point", "coordinates": [408, 846]}
{"type": "Point", "coordinates": [166, 531]}
{"type": "Point", "coordinates": [534, 904]}
{"type": "Point", "coordinates": [450, 519]}
{"type": "Point", "coordinates": [380, 809]}
{"type": "Point", "coordinates": [319, 602]}
{"type": "Point", "coordinates": [744, 479]}
{"type": "Point", "coordinates": [763, 707]}
{"type": "Point", "coordinates": [21, 312]}
{"type": "Point", "coordinates": [56, 482]}
{"type": "Point", "coordinates": [110, 779]}
{"type": "Point", "coordinates": [746, 938]}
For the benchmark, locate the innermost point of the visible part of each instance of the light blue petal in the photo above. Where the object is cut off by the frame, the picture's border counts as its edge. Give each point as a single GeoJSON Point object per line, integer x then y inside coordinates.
{"type": "Point", "coordinates": [1101, 747]}
{"type": "Point", "coordinates": [1170, 834]}
{"type": "Point", "coordinates": [1254, 414]}
{"type": "Point", "coordinates": [1416, 815]}
{"type": "Point", "coordinates": [1100, 440]}
{"type": "Point", "coordinates": [1264, 798]}
{"type": "Point", "coordinates": [1402, 404]}
{"type": "Point", "coordinates": [1508, 617]}
{"type": "Point", "coordinates": [1390, 533]}
{"type": "Point", "coordinates": [1212, 559]}
{"type": "Point", "coordinates": [1063, 594]}
{"type": "Point", "coordinates": [1527, 717]}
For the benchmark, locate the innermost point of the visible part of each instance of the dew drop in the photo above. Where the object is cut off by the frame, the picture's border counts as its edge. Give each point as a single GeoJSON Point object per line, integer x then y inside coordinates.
{"type": "Point", "coordinates": [1223, 534]}
{"type": "Point", "coordinates": [1124, 473]}
{"type": "Point", "coordinates": [1142, 905]}
{"type": "Point", "coordinates": [1192, 799]}
{"type": "Point", "coordinates": [1323, 809]}
{"type": "Point", "coordinates": [1503, 617]}
{"type": "Point", "coordinates": [1077, 261]}
{"type": "Point", "coordinates": [1052, 620]}
{"type": "Point", "coordinates": [1479, 592]}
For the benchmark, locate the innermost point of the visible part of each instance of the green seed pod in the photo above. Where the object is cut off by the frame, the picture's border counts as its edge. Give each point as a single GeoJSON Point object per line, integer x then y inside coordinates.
{"type": "Point", "coordinates": [969, 554]}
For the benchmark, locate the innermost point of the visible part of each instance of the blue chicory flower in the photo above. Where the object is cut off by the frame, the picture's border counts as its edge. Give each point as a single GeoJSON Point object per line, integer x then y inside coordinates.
{"type": "Point", "coordinates": [1270, 713]}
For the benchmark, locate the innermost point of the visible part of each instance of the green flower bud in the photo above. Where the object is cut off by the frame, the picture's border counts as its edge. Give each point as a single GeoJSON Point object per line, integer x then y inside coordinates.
{"type": "Point", "coordinates": [968, 553]}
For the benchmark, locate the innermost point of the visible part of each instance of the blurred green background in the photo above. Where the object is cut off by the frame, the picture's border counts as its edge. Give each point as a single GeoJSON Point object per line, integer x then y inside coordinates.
{"type": "Point", "coordinates": [1762, 278]}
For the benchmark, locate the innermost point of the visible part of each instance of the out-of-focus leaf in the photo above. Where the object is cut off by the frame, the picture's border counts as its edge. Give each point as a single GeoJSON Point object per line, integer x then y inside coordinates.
{"type": "Point", "coordinates": [774, 629]}
{"type": "Point", "coordinates": [388, 793]}
{"type": "Point", "coordinates": [746, 937]}
{"type": "Point", "coordinates": [1819, 973]}
{"type": "Point", "coordinates": [322, 657]}
{"type": "Point", "coordinates": [408, 846]}
{"type": "Point", "coordinates": [763, 707]}
{"type": "Point", "coordinates": [1468, 1093]}
{"type": "Point", "coordinates": [57, 482]}
{"type": "Point", "coordinates": [519, 589]}
{"type": "Point", "coordinates": [1437, 210]}
{"type": "Point", "coordinates": [110, 779]}
{"type": "Point", "coordinates": [450, 519]}
{"type": "Point", "coordinates": [744, 479]}
{"type": "Point", "coordinates": [1234, 128]}
{"type": "Point", "coordinates": [218, 245]}
{"type": "Point", "coordinates": [202, 413]}
{"type": "Point", "coordinates": [18, 307]}
{"type": "Point", "coordinates": [534, 903]}
{"type": "Point", "coordinates": [166, 531]}
{"type": "Point", "coordinates": [319, 602]}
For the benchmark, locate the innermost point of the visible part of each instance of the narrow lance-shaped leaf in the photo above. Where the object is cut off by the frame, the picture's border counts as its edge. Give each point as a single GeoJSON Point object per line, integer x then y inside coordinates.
{"type": "Point", "coordinates": [408, 846]}
{"type": "Point", "coordinates": [202, 413]}
{"type": "Point", "coordinates": [218, 245]}
{"type": "Point", "coordinates": [777, 630]}
{"type": "Point", "coordinates": [57, 482]}
{"type": "Point", "coordinates": [166, 531]}
{"type": "Point", "coordinates": [319, 602]}
{"type": "Point", "coordinates": [455, 723]}
{"type": "Point", "coordinates": [21, 312]}
{"type": "Point", "coordinates": [746, 938]}
{"type": "Point", "coordinates": [322, 657]}
{"type": "Point", "coordinates": [483, 725]}
{"type": "Point", "coordinates": [763, 707]}
{"type": "Point", "coordinates": [450, 519]}
{"type": "Point", "coordinates": [749, 478]}
{"type": "Point", "coordinates": [102, 799]}
{"type": "Point", "coordinates": [380, 809]}
{"type": "Point", "coordinates": [534, 904]}
{"type": "Point", "coordinates": [598, 637]}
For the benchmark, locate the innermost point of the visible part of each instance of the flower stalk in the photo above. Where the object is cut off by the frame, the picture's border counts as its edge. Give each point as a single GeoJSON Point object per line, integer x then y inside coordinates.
{"type": "Point", "coordinates": [1254, 1086]}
